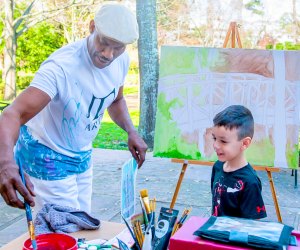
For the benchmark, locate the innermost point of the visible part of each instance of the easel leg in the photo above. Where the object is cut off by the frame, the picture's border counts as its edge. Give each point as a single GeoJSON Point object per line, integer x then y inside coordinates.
{"type": "Point", "coordinates": [274, 195]}
{"type": "Point", "coordinates": [183, 169]}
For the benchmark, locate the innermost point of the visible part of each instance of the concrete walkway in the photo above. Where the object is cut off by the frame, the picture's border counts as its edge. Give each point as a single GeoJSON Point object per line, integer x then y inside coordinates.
{"type": "Point", "coordinates": [159, 176]}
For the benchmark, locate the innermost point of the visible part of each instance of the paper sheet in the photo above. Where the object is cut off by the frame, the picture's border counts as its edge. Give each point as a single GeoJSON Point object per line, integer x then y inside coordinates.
{"type": "Point", "coordinates": [129, 171]}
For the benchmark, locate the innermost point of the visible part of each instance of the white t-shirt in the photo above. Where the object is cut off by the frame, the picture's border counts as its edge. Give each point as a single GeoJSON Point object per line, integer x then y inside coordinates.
{"type": "Point", "coordinates": [80, 92]}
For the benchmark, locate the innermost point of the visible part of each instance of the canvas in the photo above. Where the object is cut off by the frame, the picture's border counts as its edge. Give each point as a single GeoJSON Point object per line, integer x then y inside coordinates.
{"type": "Point", "coordinates": [196, 83]}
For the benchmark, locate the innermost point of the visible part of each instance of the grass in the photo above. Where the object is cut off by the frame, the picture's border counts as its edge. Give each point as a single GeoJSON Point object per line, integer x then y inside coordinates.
{"type": "Point", "coordinates": [110, 135]}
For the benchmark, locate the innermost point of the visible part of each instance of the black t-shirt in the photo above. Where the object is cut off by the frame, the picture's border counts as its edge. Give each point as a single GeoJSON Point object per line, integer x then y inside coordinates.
{"type": "Point", "coordinates": [236, 193]}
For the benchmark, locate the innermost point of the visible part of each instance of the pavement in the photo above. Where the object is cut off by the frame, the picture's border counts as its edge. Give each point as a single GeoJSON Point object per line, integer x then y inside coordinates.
{"type": "Point", "coordinates": [159, 176]}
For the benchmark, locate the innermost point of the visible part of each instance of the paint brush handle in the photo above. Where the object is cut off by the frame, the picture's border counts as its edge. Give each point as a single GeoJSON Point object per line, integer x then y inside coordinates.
{"type": "Point", "coordinates": [28, 214]}
{"type": "Point", "coordinates": [132, 234]}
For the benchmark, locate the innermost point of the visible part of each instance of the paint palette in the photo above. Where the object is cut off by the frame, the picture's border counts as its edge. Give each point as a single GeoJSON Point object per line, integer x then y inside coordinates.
{"type": "Point", "coordinates": [52, 241]}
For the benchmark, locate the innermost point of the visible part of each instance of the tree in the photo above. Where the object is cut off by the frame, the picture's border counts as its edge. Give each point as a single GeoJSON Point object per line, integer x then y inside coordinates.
{"type": "Point", "coordinates": [148, 63]}
{"type": "Point", "coordinates": [34, 46]}
{"type": "Point", "coordinates": [16, 25]}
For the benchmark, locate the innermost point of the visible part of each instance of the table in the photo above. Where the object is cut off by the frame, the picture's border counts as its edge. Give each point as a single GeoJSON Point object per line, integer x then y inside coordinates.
{"type": "Point", "coordinates": [184, 238]}
{"type": "Point", "coordinates": [107, 231]}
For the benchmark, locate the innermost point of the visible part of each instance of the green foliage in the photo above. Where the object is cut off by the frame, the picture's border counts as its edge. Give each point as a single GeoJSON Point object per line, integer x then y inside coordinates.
{"type": "Point", "coordinates": [1, 39]}
{"type": "Point", "coordinates": [130, 90]}
{"type": "Point", "coordinates": [35, 45]}
{"type": "Point", "coordinates": [284, 46]}
{"type": "Point", "coordinates": [23, 80]}
{"type": "Point", "coordinates": [110, 136]}
{"type": "Point", "coordinates": [133, 68]}
{"type": "Point", "coordinates": [2, 86]}
{"type": "Point", "coordinates": [286, 20]}
{"type": "Point", "coordinates": [256, 6]}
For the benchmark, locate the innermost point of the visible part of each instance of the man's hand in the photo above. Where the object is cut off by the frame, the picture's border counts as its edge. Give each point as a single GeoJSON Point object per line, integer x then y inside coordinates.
{"type": "Point", "coordinates": [137, 147]}
{"type": "Point", "coordinates": [10, 182]}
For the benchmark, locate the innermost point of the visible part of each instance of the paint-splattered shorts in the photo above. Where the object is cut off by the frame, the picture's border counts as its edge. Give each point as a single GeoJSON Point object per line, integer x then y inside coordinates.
{"type": "Point", "coordinates": [43, 163]}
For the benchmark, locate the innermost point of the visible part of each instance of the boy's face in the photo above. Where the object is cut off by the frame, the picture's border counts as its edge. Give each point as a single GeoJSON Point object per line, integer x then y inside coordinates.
{"type": "Point", "coordinates": [226, 143]}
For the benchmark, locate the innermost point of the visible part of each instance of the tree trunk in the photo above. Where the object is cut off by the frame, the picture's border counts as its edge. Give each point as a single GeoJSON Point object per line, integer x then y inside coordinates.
{"type": "Point", "coordinates": [148, 65]}
{"type": "Point", "coordinates": [9, 71]}
{"type": "Point", "coordinates": [295, 21]}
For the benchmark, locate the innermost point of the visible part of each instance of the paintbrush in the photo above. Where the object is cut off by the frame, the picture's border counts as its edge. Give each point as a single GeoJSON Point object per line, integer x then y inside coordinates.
{"type": "Point", "coordinates": [146, 221]}
{"type": "Point", "coordinates": [145, 198]}
{"type": "Point", "coordinates": [132, 234]}
{"type": "Point", "coordinates": [28, 215]}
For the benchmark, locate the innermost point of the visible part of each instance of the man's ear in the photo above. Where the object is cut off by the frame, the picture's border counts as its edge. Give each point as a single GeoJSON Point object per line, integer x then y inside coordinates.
{"type": "Point", "coordinates": [92, 26]}
{"type": "Point", "coordinates": [246, 142]}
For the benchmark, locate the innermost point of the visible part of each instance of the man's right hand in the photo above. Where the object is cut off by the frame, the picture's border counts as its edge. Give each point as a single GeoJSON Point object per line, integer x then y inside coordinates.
{"type": "Point", "coordinates": [11, 182]}
{"type": "Point", "coordinates": [30, 102]}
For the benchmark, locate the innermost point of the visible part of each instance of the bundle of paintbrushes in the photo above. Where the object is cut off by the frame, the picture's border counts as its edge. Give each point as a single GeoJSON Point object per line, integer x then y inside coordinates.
{"type": "Point", "coordinates": [144, 231]}
{"type": "Point", "coordinates": [182, 219]}
{"type": "Point", "coordinates": [143, 224]}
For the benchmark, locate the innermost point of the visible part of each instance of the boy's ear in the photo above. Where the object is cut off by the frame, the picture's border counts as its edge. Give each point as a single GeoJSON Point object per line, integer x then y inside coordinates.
{"type": "Point", "coordinates": [246, 142]}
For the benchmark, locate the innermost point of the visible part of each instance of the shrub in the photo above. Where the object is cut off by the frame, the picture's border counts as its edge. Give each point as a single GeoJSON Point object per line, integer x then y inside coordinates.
{"type": "Point", "coordinates": [284, 46]}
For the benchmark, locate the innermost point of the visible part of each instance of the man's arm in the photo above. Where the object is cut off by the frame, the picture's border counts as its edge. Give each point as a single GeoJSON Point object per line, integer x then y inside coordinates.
{"type": "Point", "coordinates": [30, 102]}
{"type": "Point", "coordinates": [118, 112]}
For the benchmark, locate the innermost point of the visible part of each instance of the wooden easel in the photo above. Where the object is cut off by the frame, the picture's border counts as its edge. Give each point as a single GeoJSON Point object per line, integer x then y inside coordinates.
{"type": "Point", "coordinates": [234, 34]}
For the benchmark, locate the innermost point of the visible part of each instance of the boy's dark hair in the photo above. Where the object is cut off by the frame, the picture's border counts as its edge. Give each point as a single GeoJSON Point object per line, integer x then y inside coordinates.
{"type": "Point", "coordinates": [236, 116]}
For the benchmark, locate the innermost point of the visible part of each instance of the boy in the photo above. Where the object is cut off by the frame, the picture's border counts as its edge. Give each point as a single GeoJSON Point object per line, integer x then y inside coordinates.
{"type": "Point", "coordinates": [236, 189]}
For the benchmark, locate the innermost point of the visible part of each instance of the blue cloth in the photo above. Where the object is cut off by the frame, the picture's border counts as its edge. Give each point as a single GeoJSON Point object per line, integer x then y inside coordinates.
{"type": "Point", "coordinates": [43, 163]}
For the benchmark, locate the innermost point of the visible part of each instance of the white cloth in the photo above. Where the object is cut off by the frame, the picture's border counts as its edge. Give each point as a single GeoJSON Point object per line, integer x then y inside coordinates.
{"type": "Point", "coordinates": [80, 94]}
{"type": "Point", "coordinates": [74, 191]}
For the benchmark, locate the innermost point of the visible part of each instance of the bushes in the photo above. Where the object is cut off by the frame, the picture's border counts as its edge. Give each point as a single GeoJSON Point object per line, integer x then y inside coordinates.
{"type": "Point", "coordinates": [36, 45]}
{"type": "Point", "coordinates": [23, 80]}
{"type": "Point", "coordinates": [284, 46]}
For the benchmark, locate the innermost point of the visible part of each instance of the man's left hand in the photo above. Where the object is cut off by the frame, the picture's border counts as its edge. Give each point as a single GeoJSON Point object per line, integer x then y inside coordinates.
{"type": "Point", "coordinates": [137, 147]}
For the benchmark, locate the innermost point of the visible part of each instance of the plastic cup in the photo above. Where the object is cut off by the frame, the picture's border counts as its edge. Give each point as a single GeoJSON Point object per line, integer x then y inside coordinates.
{"type": "Point", "coordinates": [52, 241]}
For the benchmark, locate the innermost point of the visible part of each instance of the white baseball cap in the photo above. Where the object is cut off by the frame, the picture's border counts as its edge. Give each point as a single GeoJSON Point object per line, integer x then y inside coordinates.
{"type": "Point", "coordinates": [117, 22]}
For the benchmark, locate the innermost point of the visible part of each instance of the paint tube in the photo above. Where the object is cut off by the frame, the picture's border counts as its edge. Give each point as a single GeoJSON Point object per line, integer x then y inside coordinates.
{"type": "Point", "coordinates": [147, 245]}
{"type": "Point", "coordinates": [164, 227]}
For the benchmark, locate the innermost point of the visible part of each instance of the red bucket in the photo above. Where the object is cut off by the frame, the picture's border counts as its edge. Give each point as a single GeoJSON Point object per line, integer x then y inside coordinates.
{"type": "Point", "coordinates": [52, 241]}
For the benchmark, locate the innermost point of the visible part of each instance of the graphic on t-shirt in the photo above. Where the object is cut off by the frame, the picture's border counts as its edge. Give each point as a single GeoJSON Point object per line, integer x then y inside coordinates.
{"type": "Point", "coordinates": [94, 114]}
{"type": "Point", "coordinates": [220, 189]}
{"type": "Point", "coordinates": [239, 185]}
{"type": "Point", "coordinates": [70, 121]}
{"type": "Point", "coordinates": [260, 209]}
{"type": "Point", "coordinates": [96, 109]}
{"type": "Point", "coordinates": [100, 102]}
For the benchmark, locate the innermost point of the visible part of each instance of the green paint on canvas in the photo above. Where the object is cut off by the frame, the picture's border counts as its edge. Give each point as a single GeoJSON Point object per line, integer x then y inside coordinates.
{"type": "Point", "coordinates": [261, 153]}
{"type": "Point", "coordinates": [196, 90]}
{"type": "Point", "coordinates": [292, 156]}
{"type": "Point", "coordinates": [203, 57]}
{"type": "Point", "coordinates": [177, 155]}
{"type": "Point", "coordinates": [164, 107]}
{"type": "Point", "coordinates": [168, 142]}
{"type": "Point", "coordinates": [164, 124]}
{"type": "Point", "coordinates": [177, 60]}
{"type": "Point", "coordinates": [183, 66]}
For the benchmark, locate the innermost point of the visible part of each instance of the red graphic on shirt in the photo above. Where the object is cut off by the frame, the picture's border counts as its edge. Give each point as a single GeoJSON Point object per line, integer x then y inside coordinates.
{"type": "Point", "coordinates": [239, 185]}
{"type": "Point", "coordinates": [260, 209]}
{"type": "Point", "coordinates": [219, 189]}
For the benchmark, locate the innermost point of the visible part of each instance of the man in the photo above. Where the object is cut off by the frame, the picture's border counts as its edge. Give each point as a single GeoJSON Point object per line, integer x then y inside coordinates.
{"type": "Point", "coordinates": [53, 122]}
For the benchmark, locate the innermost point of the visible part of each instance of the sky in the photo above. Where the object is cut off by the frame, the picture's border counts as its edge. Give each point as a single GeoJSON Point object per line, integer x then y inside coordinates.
{"type": "Point", "coordinates": [274, 9]}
